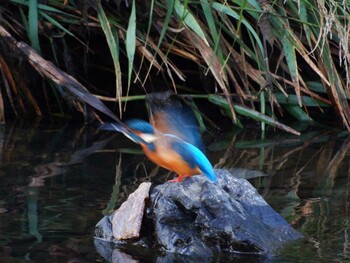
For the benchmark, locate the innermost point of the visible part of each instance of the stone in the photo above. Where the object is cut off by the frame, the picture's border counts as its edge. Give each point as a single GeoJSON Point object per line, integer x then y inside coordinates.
{"type": "Point", "coordinates": [126, 221]}
{"type": "Point", "coordinates": [198, 219]}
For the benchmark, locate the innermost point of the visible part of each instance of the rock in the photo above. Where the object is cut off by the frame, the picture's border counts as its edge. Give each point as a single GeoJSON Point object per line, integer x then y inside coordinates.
{"type": "Point", "coordinates": [126, 221]}
{"type": "Point", "coordinates": [199, 219]}
{"type": "Point", "coordinates": [103, 229]}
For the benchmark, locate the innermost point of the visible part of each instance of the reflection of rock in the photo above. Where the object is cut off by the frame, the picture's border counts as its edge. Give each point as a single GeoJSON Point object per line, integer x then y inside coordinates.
{"type": "Point", "coordinates": [200, 219]}
{"type": "Point", "coordinates": [111, 254]}
{"type": "Point", "coordinates": [104, 248]}
{"type": "Point", "coordinates": [120, 257]}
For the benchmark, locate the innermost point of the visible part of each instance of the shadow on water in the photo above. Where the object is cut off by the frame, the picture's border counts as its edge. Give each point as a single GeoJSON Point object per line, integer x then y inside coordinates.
{"type": "Point", "coordinates": [58, 180]}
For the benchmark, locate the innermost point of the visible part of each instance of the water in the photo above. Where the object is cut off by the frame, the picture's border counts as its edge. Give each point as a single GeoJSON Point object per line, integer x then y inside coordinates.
{"type": "Point", "coordinates": [58, 180]}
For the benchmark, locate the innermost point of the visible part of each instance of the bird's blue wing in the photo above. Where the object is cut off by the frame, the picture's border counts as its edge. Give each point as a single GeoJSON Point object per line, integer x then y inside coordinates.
{"type": "Point", "coordinates": [170, 115]}
{"type": "Point", "coordinates": [140, 125]}
{"type": "Point", "coordinates": [112, 127]}
{"type": "Point", "coordinates": [127, 131]}
{"type": "Point", "coordinates": [194, 157]}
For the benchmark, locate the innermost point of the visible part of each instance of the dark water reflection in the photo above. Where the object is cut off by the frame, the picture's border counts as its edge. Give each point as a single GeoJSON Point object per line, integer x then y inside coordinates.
{"type": "Point", "coordinates": [57, 181]}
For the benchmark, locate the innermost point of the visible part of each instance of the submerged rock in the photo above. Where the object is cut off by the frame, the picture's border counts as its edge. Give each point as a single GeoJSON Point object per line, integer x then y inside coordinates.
{"type": "Point", "coordinates": [200, 219]}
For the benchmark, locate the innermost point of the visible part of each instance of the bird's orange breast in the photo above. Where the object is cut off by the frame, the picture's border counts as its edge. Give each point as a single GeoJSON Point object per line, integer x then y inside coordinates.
{"type": "Point", "coordinates": [167, 158]}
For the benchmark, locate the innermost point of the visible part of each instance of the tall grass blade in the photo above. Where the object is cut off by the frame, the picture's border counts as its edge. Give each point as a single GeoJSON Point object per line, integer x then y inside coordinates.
{"type": "Point", "coordinates": [198, 116]}
{"type": "Point", "coordinates": [298, 113]}
{"type": "Point", "coordinates": [338, 93]}
{"type": "Point", "coordinates": [237, 41]}
{"type": "Point", "coordinates": [131, 42]}
{"type": "Point", "coordinates": [262, 108]}
{"type": "Point", "coordinates": [40, 6]}
{"type": "Point", "coordinates": [112, 44]}
{"type": "Point", "coordinates": [251, 114]}
{"type": "Point", "coordinates": [220, 8]}
{"type": "Point", "coordinates": [293, 100]}
{"type": "Point", "coordinates": [166, 22]}
{"type": "Point", "coordinates": [214, 66]}
{"type": "Point", "coordinates": [212, 26]}
{"type": "Point", "coordinates": [185, 15]}
{"type": "Point", "coordinates": [243, 7]}
{"type": "Point", "coordinates": [33, 19]}
{"type": "Point", "coordinates": [304, 20]}
{"type": "Point", "coordinates": [289, 53]}
{"type": "Point", "coordinates": [59, 25]}
{"type": "Point", "coordinates": [316, 87]}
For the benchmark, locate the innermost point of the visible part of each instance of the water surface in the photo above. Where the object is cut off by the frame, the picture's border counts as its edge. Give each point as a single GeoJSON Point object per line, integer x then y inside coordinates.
{"type": "Point", "coordinates": [58, 180]}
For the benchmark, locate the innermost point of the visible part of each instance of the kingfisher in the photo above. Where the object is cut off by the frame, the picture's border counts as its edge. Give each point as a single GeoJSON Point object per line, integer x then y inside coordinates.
{"type": "Point", "coordinates": [170, 139]}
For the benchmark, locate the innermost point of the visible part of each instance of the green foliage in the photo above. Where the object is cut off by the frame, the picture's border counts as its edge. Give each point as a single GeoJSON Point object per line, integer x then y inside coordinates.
{"type": "Point", "coordinates": [287, 56]}
{"type": "Point", "coordinates": [251, 114]}
{"type": "Point", "coordinates": [131, 40]}
{"type": "Point", "coordinates": [33, 24]}
{"type": "Point", "coordinates": [112, 44]}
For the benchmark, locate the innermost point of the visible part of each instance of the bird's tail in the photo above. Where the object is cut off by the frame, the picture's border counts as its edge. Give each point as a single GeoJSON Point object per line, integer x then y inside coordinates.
{"type": "Point", "coordinates": [205, 166]}
{"type": "Point", "coordinates": [123, 129]}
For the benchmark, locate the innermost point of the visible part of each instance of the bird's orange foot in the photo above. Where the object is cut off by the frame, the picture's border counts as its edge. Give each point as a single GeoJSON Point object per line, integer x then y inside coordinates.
{"type": "Point", "coordinates": [176, 180]}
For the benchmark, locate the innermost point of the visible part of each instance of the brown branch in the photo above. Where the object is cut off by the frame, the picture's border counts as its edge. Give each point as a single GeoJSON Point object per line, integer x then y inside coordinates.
{"type": "Point", "coordinates": [50, 71]}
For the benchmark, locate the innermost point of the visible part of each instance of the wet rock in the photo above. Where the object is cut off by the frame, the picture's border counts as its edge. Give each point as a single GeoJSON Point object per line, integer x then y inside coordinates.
{"type": "Point", "coordinates": [103, 230]}
{"type": "Point", "coordinates": [126, 221]}
{"type": "Point", "coordinates": [199, 219]}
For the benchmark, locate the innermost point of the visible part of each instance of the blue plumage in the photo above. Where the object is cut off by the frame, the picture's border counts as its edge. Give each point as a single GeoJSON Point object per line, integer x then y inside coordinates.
{"type": "Point", "coordinates": [132, 125]}
{"type": "Point", "coordinates": [143, 133]}
{"type": "Point", "coordinates": [140, 125]}
{"type": "Point", "coordinates": [171, 139]}
{"type": "Point", "coordinates": [171, 114]}
{"type": "Point", "coordinates": [183, 124]}
{"type": "Point", "coordinates": [194, 157]}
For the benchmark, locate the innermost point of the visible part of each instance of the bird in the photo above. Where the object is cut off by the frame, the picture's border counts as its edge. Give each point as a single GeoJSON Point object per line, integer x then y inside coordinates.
{"type": "Point", "coordinates": [170, 139]}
